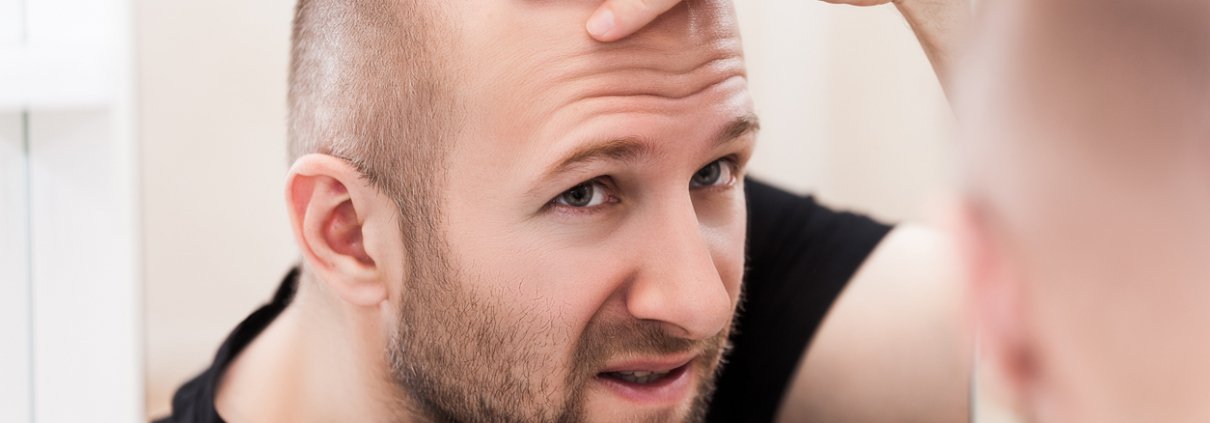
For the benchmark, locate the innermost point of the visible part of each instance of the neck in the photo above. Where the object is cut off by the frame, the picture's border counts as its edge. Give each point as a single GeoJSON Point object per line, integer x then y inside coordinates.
{"type": "Point", "coordinates": [320, 360]}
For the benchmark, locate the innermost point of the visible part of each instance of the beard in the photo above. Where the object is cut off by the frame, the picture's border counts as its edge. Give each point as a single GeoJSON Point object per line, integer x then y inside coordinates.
{"type": "Point", "coordinates": [460, 357]}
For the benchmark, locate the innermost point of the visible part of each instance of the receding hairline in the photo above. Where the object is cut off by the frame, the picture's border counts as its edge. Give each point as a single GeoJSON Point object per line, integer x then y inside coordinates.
{"type": "Point", "coordinates": [369, 84]}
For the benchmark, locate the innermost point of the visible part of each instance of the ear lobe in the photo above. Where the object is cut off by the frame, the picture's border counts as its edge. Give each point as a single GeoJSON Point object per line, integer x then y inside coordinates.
{"type": "Point", "coordinates": [996, 302]}
{"type": "Point", "coordinates": [329, 204]}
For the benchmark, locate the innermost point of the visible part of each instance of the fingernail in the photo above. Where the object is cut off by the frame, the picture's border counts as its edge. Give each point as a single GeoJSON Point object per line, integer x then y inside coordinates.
{"type": "Point", "coordinates": [601, 23]}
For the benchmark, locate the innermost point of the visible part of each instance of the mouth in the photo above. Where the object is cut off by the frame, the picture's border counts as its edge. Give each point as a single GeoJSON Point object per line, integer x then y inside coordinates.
{"type": "Point", "coordinates": [640, 377]}
{"type": "Point", "coordinates": [652, 382]}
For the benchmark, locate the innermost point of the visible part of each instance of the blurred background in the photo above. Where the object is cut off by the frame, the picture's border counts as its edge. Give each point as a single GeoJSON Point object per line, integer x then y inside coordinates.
{"type": "Point", "coordinates": [142, 152]}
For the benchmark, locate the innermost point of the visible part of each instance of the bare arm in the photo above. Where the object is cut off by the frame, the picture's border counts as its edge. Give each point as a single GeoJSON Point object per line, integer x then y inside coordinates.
{"type": "Point", "coordinates": [940, 26]}
{"type": "Point", "coordinates": [894, 347]}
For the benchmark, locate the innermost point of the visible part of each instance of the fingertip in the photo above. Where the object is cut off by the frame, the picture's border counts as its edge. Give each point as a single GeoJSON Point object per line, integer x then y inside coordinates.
{"type": "Point", "coordinates": [602, 24]}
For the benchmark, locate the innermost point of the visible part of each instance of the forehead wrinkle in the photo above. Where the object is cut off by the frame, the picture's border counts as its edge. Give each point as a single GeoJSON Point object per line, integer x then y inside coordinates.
{"type": "Point", "coordinates": [654, 72]}
{"type": "Point", "coordinates": [639, 55]}
{"type": "Point", "coordinates": [657, 84]}
{"type": "Point", "coordinates": [542, 73]}
{"type": "Point", "coordinates": [655, 69]}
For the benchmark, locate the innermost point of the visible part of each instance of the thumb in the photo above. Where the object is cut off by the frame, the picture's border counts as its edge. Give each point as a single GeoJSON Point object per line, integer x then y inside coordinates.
{"type": "Point", "coordinates": [617, 19]}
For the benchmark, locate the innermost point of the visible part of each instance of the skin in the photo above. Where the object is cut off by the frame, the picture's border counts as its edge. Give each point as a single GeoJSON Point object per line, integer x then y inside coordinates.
{"type": "Point", "coordinates": [675, 253]}
{"type": "Point", "coordinates": [1084, 225]}
{"type": "Point", "coordinates": [895, 346]}
{"type": "Point", "coordinates": [938, 24]}
{"type": "Point", "coordinates": [533, 287]}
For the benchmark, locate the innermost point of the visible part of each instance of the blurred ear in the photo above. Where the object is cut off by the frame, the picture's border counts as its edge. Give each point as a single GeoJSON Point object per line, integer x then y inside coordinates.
{"type": "Point", "coordinates": [345, 228]}
{"type": "Point", "coordinates": [996, 302]}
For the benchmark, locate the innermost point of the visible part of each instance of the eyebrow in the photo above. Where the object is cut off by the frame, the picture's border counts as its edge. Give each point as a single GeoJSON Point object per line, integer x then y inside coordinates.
{"type": "Point", "coordinates": [629, 149]}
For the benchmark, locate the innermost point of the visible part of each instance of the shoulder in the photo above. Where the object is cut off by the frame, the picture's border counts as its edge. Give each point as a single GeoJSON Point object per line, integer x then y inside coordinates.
{"type": "Point", "coordinates": [893, 347]}
{"type": "Point", "coordinates": [800, 256]}
{"type": "Point", "coordinates": [786, 229]}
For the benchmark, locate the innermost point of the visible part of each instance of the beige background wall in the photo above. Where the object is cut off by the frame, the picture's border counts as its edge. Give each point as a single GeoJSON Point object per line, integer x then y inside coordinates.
{"type": "Point", "coordinates": [850, 108]}
{"type": "Point", "coordinates": [212, 92]}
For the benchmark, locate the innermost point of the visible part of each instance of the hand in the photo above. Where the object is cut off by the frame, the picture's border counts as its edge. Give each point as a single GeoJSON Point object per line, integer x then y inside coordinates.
{"type": "Point", "coordinates": [938, 24]}
{"type": "Point", "coordinates": [861, 2]}
{"type": "Point", "coordinates": [617, 19]}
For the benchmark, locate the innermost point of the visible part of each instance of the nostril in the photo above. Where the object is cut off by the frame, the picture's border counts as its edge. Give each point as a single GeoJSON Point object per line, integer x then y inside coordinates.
{"type": "Point", "coordinates": [684, 311]}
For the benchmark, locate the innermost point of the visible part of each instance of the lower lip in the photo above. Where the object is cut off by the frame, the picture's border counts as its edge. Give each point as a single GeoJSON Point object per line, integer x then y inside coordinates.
{"type": "Point", "coordinates": [667, 391]}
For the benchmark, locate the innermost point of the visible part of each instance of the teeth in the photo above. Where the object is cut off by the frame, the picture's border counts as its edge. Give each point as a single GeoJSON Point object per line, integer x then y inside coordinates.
{"type": "Point", "coordinates": [640, 377]}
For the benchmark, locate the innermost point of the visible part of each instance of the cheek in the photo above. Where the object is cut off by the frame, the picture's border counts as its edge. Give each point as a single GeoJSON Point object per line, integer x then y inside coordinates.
{"type": "Point", "coordinates": [726, 238]}
{"type": "Point", "coordinates": [549, 286]}
{"type": "Point", "coordinates": [730, 262]}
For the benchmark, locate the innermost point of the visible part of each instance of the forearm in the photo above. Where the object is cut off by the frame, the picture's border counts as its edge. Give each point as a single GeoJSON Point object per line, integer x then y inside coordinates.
{"type": "Point", "coordinates": [940, 26]}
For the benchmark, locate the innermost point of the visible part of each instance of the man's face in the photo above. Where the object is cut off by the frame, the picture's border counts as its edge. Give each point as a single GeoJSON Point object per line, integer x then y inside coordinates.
{"type": "Point", "coordinates": [594, 220]}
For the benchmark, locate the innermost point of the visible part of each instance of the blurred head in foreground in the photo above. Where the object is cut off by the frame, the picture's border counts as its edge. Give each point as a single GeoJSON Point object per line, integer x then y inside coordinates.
{"type": "Point", "coordinates": [1087, 213]}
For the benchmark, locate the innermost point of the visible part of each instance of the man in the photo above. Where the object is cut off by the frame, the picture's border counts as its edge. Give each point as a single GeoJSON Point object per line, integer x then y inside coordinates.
{"type": "Point", "coordinates": [1087, 214]}
{"type": "Point", "coordinates": [502, 219]}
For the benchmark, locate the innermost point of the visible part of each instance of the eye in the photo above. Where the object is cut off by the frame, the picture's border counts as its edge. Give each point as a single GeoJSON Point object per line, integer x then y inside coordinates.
{"type": "Point", "coordinates": [718, 172]}
{"type": "Point", "coordinates": [587, 194]}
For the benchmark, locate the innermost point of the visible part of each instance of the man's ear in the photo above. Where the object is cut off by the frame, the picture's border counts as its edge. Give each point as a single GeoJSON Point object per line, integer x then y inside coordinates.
{"type": "Point", "coordinates": [996, 302]}
{"type": "Point", "coordinates": [345, 228]}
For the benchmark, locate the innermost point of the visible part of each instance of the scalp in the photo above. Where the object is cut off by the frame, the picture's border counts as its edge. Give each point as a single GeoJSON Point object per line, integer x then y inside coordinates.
{"type": "Point", "coordinates": [369, 83]}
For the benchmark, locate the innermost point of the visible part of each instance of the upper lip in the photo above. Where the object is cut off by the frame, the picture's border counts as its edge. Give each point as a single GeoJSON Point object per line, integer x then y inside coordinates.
{"type": "Point", "coordinates": [658, 364]}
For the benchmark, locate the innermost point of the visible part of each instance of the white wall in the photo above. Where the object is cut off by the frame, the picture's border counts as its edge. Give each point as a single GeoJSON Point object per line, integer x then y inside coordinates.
{"type": "Point", "coordinates": [212, 90]}
{"type": "Point", "coordinates": [850, 108]}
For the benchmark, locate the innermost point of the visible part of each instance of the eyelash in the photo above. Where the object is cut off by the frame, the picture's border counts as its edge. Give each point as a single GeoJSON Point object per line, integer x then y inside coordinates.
{"type": "Point", "coordinates": [606, 183]}
{"type": "Point", "coordinates": [736, 173]}
{"type": "Point", "coordinates": [601, 182]}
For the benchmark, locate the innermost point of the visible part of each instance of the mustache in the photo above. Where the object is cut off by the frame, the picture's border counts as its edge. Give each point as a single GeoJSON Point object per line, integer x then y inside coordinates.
{"type": "Point", "coordinates": [602, 341]}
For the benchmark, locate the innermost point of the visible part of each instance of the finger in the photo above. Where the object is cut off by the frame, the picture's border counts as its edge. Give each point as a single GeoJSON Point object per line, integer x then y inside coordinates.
{"type": "Point", "coordinates": [861, 2]}
{"type": "Point", "coordinates": [617, 19]}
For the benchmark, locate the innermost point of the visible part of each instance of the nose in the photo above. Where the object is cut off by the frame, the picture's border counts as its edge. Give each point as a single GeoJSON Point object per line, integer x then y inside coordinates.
{"type": "Point", "coordinates": [680, 284]}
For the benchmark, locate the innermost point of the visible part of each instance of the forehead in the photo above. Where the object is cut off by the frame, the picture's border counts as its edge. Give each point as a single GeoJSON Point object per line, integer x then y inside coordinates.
{"type": "Point", "coordinates": [530, 66]}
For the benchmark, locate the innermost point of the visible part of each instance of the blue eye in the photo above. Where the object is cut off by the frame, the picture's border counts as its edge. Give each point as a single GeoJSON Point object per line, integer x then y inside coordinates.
{"type": "Point", "coordinates": [587, 194]}
{"type": "Point", "coordinates": [718, 172]}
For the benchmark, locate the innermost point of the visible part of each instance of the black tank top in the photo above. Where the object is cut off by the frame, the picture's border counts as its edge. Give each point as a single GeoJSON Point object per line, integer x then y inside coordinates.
{"type": "Point", "coordinates": [800, 256]}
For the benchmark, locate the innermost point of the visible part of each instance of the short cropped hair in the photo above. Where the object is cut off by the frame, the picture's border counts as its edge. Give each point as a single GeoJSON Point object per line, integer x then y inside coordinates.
{"type": "Point", "coordinates": [368, 84]}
